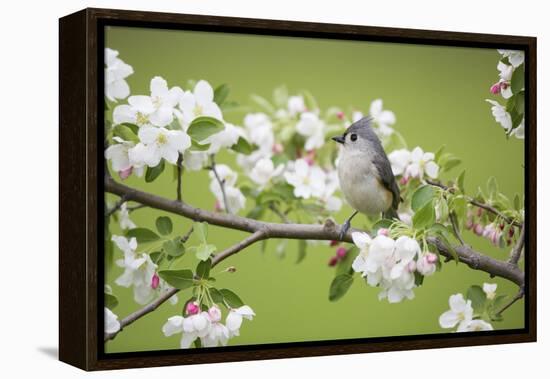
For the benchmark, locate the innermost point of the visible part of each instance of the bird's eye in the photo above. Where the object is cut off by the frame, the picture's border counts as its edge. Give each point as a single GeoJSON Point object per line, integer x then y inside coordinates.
{"type": "Point", "coordinates": [353, 137]}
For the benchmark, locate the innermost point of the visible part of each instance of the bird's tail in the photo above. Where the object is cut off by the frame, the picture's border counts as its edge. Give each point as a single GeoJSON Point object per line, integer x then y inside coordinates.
{"type": "Point", "coordinates": [391, 214]}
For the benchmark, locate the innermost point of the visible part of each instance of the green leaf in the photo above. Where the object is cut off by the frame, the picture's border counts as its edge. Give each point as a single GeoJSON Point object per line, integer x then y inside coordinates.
{"type": "Point", "coordinates": [438, 153]}
{"type": "Point", "coordinates": [125, 132]}
{"type": "Point", "coordinates": [262, 103]}
{"type": "Point", "coordinates": [478, 298]}
{"type": "Point", "coordinates": [451, 163]}
{"type": "Point", "coordinates": [459, 206]}
{"type": "Point", "coordinates": [302, 250]}
{"type": "Point", "coordinates": [180, 279]}
{"type": "Point", "coordinates": [173, 248]}
{"type": "Point", "coordinates": [195, 146]}
{"type": "Point", "coordinates": [418, 278]}
{"type": "Point", "coordinates": [201, 229]}
{"type": "Point", "coordinates": [143, 235]}
{"type": "Point", "coordinates": [256, 213]}
{"type": "Point", "coordinates": [216, 295]}
{"type": "Point", "coordinates": [492, 186]}
{"type": "Point", "coordinates": [242, 146]}
{"type": "Point", "coordinates": [164, 225]}
{"type": "Point", "coordinates": [220, 93]}
{"type": "Point", "coordinates": [153, 172]}
{"type": "Point", "coordinates": [424, 217]}
{"type": "Point", "coordinates": [460, 181]}
{"type": "Point", "coordinates": [203, 251]}
{"type": "Point", "coordinates": [422, 196]}
{"type": "Point", "coordinates": [231, 298]}
{"type": "Point", "coordinates": [111, 301]}
{"type": "Point", "coordinates": [203, 268]}
{"type": "Point", "coordinates": [203, 127]}
{"type": "Point", "coordinates": [156, 257]}
{"type": "Point", "coordinates": [339, 286]}
{"type": "Point", "coordinates": [518, 79]}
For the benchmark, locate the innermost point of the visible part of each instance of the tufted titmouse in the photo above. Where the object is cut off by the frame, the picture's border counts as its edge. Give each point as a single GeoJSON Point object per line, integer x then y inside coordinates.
{"type": "Point", "coordinates": [365, 173]}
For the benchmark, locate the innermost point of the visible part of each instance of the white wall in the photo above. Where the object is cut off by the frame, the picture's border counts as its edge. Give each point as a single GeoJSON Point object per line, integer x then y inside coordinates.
{"type": "Point", "coordinates": [28, 158]}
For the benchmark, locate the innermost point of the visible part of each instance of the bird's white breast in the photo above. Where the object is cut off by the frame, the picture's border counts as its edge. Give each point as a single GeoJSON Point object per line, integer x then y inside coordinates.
{"type": "Point", "coordinates": [361, 185]}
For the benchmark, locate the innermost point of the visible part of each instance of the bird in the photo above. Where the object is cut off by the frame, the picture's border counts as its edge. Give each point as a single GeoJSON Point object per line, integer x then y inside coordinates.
{"type": "Point", "coordinates": [365, 174]}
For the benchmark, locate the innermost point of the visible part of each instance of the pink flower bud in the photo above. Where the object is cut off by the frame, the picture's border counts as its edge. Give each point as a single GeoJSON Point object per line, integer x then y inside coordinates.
{"type": "Point", "coordinates": [511, 232]}
{"type": "Point", "coordinates": [469, 224]}
{"type": "Point", "coordinates": [404, 180]}
{"type": "Point", "coordinates": [340, 115]}
{"type": "Point", "coordinates": [479, 212]}
{"type": "Point", "coordinates": [310, 157]}
{"type": "Point", "coordinates": [155, 281]}
{"type": "Point", "coordinates": [495, 89]}
{"type": "Point", "coordinates": [334, 243]}
{"type": "Point", "coordinates": [192, 308]}
{"type": "Point", "coordinates": [383, 232]}
{"type": "Point", "coordinates": [217, 206]}
{"type": "Point", "coordinates": [478, 229]}
{"type": "Point", "coordinates": [431, 258]}
{"type": "Point", "coordinates": [411, 266]}
{"type": "Point", "coordinates": [341, 252]}
{"type": "Point", "coordinates": [277, 148]}
{"type": "Point", "coordinates": [215, 314]}
{"type": "Point", "coordinates": [333, 261]}
{"type": "Point", "coordinates": [124, 174]}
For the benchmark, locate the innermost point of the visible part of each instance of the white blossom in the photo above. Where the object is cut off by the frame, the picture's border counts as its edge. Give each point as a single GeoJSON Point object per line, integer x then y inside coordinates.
{"type": "Point", "coordinates": [235, 199]}
{"type": "Point", "coordinates": [461, 313]}
{"type": "Point", "coordinates": [138, 270]}
{"type": "Point", "coordinates": [158, 143]}
{"type": "Point", "coordinates": [519, 131]}
{"type": "Point", "coordinates": [193, 327]}
{"type": "Point", "coordinates": [296, 105]}
{"type": "Point", "coordinates": [332, 203]}
{"type": "Point", "coordinates": [235, 317]}
{"type": "Point", "coordinates": [224, 139]}
{"type": "Point", "coordinates": [110, 320]}
{"type": "Point", "coordinates": [116, 72]}
{"type": "Point", "coordinates": [475, 326]}
{"type": "Point", "coordinates": [505, 74]}
{"type": "Point", "coordinates": [260, 131]}
{"type": "Point", "coordinates": [500, 114]}
{"type": "Point", "coordinates": [515, 57]}
{"type": "Point", "coordinates": [194, 160]}
{"type": "Point", "coordinates": [156, 109]}
{"type": "Point", "coordinates": [198, 103]}
{"type": "Point", "coordinates": [383, 118]}
{"type": "Point", "coordinates": [399, 160]}
{"type": "Point", "coordinates": [264, 171]}
{"type": "Point", "coordinates": [118, 154]}
{"type": "Point", "coordinates": [124, 218]}
{"type": "Point", "coordinates": [218, 333]}
{"type": "Point", "coordinates": [307, 180]}
{"type": "Point", "coordinates": [421, 163]}
{"type": "Point", "coordinates": [313, 128]}
{"type": "Point", "coordinates": [490, 290]}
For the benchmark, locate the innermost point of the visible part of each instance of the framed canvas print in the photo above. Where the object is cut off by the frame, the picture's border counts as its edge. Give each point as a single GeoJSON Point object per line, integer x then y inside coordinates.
{"type": "Point", "coordinates": [237, 189]}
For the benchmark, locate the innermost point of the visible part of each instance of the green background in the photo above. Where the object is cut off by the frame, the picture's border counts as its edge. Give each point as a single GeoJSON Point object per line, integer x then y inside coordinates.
{"type": "Point", "coordinates": [438, 95]}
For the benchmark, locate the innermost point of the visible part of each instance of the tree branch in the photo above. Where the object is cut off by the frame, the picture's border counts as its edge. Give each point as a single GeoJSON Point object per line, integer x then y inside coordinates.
{"type": "Point", "coordinates": [263, 230]}
{"type": "Point", "coordinates": [478, 204]}
{"type": "Point", "coordinates": [516, 252]}
{"type": "Point", "coordinates": [253, 238]}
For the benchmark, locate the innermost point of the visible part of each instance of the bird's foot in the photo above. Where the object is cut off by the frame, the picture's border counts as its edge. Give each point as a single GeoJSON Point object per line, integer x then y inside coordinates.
{"type": "Point", "coordinates": [344, 229]}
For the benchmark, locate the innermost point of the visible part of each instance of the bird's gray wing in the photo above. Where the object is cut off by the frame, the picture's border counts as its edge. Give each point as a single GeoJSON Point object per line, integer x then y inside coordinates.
{"type": "Point", "coordinates": [382, 164]}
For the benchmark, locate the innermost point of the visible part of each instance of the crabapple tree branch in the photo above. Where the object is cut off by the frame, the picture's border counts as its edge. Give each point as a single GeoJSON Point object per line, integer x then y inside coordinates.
{"type": "Point", "coordinates": [328, 231]}
{"type": "Point", "coordinates": [253, 238]}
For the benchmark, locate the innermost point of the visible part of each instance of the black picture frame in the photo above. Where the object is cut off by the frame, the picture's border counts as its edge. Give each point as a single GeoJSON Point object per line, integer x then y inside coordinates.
{"type": "Point", "coordinates": [81, 185]}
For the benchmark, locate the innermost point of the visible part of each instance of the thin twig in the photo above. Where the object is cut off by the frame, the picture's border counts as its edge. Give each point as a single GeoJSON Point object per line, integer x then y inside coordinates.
{"type": "Point", "coordinates": [517, 297]}
{"type": "Point", "coordinates": [179, 168]}
{"type": "Point", "coordinates": [135, 207]}
{"type": "Point", "coordinates": [478, 204]}
{"type": "Point", "coordinates": [516, 252]}
{"type": "Point", "coordinates": [220, 182]}
{"type": "Point", "coordinates": [253, 238]}
{"type": "Point", "coordinates": [456, 229]}
{"type": "Point", "coordinates": [186, 236]}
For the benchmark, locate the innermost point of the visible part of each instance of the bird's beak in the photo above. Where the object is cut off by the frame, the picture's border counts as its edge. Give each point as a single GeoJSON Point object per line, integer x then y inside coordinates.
{"type": "Point", "coordinates": [339, 139]}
